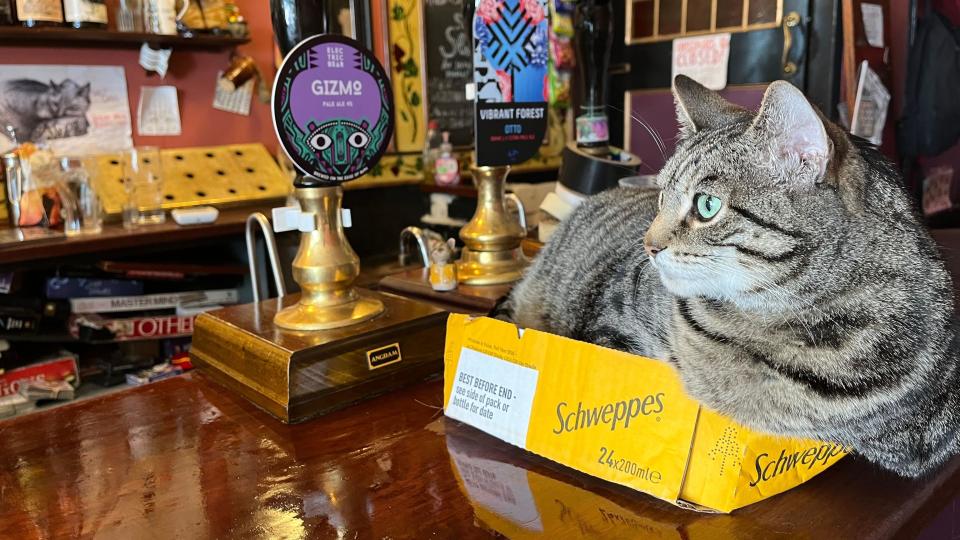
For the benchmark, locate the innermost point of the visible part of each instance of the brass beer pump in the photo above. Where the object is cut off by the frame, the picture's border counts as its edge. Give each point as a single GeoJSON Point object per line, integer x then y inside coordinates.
{"type": "Point", "coordinates": [325, 267]}
{"type": "Point", "coordinates": [335, 344]}
{"type": "Point", "coordinates": [492, 253]}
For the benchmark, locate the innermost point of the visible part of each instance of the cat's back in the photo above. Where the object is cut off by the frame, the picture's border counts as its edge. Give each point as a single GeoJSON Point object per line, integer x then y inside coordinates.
{"type": "Point", "coordinates": [594, 257]}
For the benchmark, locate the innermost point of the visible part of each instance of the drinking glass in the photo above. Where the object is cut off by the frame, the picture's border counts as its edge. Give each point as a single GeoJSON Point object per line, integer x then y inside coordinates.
{"type": "Point", "coordinates": [130, 16]}
{"type": "Point", "coordinates": [82, 211]}
{"type": "Point", "coordinates": [143, 183]}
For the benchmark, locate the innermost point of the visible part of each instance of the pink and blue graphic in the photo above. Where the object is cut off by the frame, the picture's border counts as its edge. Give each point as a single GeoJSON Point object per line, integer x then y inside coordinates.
{"type": "Point", "coordinates": [512, 43]}
{"type": "Point", "coordinates": [510, 74]}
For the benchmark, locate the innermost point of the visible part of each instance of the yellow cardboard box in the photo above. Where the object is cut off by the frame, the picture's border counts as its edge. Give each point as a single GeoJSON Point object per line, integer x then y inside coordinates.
{"type": "Point", "coordinates": [616, 416]}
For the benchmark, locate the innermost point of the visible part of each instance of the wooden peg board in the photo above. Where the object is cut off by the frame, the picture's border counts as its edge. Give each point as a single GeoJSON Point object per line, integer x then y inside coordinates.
{"type": "Point", "coordinates": [213, 175]}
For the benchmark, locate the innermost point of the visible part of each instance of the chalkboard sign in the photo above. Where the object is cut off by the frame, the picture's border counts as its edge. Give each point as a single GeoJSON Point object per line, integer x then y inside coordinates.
{"type": "Point", "coordinates": [449, 69]}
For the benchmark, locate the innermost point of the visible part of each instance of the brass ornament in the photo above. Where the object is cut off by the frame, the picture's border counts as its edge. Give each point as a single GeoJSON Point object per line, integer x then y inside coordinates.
{"type": "Point", "coordinates": [492, 254]}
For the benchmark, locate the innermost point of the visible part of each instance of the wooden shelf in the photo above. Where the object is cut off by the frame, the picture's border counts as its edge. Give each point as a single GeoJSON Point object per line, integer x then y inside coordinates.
{"type": "Point", "coordinates": [59, 37]}
{"type": "Point", "coordinates": [114, 237]}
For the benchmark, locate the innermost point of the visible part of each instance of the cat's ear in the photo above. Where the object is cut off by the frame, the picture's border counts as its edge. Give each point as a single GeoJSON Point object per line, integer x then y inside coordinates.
{"type": "Point", "coordinates": [797, 139]}
{"type": "Point", "coordinates": [54, 86]}
{"type": "Point", "coordinates": [699, 108]}
{"type": "Point", "coordinates": [452, 242]}
{"type": "Point", "coordinates": [85, 90]}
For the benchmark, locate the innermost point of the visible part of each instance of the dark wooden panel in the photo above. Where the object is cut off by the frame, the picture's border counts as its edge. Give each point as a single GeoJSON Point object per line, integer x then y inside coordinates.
{"type": "Point", "coordinates": [182, 458]}
{"type": "Point", "coordinates": [698, 15]}
{"type": "Point", "coordinates": [642, 19]}
{"type": "Point", "coordinates": [729, 13]}
{"type": "Point", "coordinates": [670, 15]}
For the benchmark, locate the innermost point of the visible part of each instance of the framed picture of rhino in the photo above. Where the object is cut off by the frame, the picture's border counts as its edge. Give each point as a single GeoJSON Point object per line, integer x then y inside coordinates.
{"type": "Point", "coordinates": [75, 110]}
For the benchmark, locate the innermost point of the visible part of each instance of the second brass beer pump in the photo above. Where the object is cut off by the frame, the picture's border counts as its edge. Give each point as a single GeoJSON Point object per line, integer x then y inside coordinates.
{"type": "Point", "coordinates": [510, 123]}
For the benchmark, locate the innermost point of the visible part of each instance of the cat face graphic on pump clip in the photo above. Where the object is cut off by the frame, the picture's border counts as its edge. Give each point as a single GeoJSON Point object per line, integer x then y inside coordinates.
{"type": "Point", "coordinates": [340, 144]}
{"type": "Point", "coordinates": [333, 109]}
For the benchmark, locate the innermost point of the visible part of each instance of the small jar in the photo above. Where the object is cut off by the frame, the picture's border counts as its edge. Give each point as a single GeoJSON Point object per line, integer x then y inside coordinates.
{"type": "Point", "coordinates": [34, 13]}
{"type": "Point", "coordinates": [85, 13]}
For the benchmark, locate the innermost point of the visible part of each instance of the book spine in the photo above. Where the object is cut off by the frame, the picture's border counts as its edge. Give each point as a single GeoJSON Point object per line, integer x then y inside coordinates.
{"type": "Point", "coordinates": [139, 328]}
{"type": "Point", "coordinates": [152, 301]}
{"type": "Point", "coordinates": [20, 323]}
{"type": "Point", "coordinates": [51, 370]}
{"type": "Point", "coordinates": [65, 288]}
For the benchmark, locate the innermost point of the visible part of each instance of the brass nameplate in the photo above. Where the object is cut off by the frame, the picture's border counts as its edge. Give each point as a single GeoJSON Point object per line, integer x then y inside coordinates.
{"type": "Point", "coordinates": [384, 356]}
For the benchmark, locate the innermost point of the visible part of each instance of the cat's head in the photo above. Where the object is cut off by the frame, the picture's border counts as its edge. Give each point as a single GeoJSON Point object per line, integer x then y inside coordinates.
{"type": "Point", "coordinates": [74, 99]}
{"type": "Point", "coordinates": [750, 200]}
{"type": "Point", "coordinates": [442, 252]}
{"type": "Point", "coordinates": [66, 98]}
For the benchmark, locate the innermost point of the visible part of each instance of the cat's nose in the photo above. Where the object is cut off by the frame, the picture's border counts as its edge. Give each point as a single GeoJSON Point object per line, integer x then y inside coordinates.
{"type": "Point", "coordinates": [652, 248]}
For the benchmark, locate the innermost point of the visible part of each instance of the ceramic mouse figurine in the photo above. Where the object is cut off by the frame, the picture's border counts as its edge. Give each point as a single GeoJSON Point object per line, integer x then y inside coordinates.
{"type": "Point", "coordinates": [443, 273]}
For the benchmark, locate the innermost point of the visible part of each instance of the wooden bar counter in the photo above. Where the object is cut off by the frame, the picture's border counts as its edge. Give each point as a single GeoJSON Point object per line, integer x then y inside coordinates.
{"type": "Point", "coordinates": [184, 458]}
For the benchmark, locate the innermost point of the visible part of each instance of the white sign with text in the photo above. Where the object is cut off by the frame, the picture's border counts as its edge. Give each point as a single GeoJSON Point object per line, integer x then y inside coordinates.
{"type": "Point", "coordinates": [703, 59]}
{"type": "Point", "coordinates": [493, 395]}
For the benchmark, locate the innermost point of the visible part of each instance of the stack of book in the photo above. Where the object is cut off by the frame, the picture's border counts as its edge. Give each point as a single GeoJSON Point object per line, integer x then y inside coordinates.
{"type": "Point", "coordinates": [147, 316]}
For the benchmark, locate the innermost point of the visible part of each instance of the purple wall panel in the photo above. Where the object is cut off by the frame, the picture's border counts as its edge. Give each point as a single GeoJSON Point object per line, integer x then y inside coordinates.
{"type": "Point", "coordinates": [655, 108]}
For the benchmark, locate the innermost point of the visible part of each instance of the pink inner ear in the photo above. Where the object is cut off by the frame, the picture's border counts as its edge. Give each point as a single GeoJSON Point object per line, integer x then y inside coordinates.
{"type": "Point", "coordinates": [787, 118]}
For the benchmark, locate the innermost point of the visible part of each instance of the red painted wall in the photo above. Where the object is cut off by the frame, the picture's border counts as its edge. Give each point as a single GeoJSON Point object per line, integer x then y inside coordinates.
{"type": "Point", "coordinates": [193, 72]}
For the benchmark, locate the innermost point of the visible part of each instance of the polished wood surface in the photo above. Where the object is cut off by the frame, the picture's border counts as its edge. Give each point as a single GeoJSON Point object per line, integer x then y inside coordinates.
{"type": "Point", "coordinates": [114, 238]}
{"type": "Point", "coordinates": [183, 458]}
{"type": "Point", "coordinates": [465, 299]}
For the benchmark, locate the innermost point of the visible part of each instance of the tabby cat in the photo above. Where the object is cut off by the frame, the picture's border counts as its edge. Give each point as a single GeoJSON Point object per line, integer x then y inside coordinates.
{"type": "Point", "coordinates": [781, 269]}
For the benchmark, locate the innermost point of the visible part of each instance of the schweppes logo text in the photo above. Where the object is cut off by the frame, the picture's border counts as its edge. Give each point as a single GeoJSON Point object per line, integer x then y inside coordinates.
{"type": "Point", "coordinates": [768, 468]}
{"type": "Point", "coordinates": [610, 415]}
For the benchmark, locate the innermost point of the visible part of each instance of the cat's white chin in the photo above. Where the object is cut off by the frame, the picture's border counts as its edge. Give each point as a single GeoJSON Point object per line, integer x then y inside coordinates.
{"type": "Point", "coordinates": [690, 279]}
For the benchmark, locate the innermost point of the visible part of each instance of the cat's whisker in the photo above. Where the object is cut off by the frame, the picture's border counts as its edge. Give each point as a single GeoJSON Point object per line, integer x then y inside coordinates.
{"type": "Point", "coordinates": [657, 140]}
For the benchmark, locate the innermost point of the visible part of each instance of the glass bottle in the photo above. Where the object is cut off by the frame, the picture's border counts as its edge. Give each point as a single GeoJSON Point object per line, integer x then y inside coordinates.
{"type": "Point", "coordinates": [82, 212]}
{"type": "Point", "coordinates": [431, 149]}
{"type": "Point", "coordinates": [592, 40]}
{"type": "Point", "coordinates": [130, 16]}
{"type": "Point", "coordinates": [296, 20]}
{"type": "Point", "coordinates": [6, 12]}
{"type": "Point", "coordinates": [85, 13]}
{"type": "Point", "coordinates": [446, 169]}
{"type": "Point", "coordinates": [31, 13]}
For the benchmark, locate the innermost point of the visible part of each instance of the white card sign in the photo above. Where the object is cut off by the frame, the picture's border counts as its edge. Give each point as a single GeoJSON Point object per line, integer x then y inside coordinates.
{"type": "Point", "coordinates": [872, 23]}
{"type": "Point", "coordinates": [234, 101]}
{"type": "Point", "coordinates": [703, 59]}
{"type": "Point", "coordinates": [159, 111]}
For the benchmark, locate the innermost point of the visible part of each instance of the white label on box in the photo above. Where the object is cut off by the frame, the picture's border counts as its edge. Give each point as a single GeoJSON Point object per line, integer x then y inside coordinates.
{"type": "Point", "coordinates": [493, 395]}
{"type": "Point", "coordinates": [703, 59]}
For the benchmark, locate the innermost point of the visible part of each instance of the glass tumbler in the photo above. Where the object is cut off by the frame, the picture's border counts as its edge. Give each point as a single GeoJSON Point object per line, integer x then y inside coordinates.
{"type": "Point", "coordinates": [143, 183]}
{"type": "Point", "coordinates": [130, 16]}
{"type": "Point", "coordinates": [82, 211]}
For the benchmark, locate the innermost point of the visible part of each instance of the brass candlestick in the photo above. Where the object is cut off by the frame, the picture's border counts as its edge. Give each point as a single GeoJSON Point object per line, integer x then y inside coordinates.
{"type": "Point", "coordinates": [325, 268]}
{"type": "Point", "coordinates": [492, 254]}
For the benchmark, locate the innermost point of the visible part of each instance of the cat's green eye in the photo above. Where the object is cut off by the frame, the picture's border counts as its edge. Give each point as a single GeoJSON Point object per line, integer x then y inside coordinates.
{"type": "Point", "coordinates": [707, 205]}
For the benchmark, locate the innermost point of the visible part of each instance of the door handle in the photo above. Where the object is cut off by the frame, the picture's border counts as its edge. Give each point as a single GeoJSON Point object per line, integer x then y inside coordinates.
{"type": "Point", "coordinates": [790, 20]}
